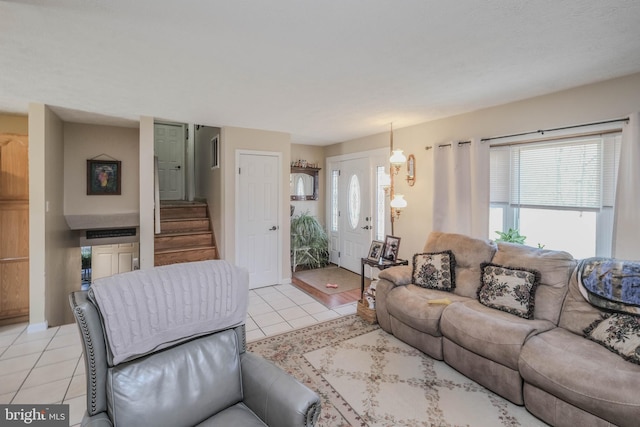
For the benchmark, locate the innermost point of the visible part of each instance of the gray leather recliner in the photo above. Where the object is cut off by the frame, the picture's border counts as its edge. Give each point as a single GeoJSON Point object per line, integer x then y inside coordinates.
{"type": "Point", "coordinates": [210, 380]}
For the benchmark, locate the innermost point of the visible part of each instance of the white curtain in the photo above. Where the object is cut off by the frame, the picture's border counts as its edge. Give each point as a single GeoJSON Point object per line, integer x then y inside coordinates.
{"type": "Point", "coordinates": [626, 222]}
{"type": "Point", "coordinates": [461, 188]}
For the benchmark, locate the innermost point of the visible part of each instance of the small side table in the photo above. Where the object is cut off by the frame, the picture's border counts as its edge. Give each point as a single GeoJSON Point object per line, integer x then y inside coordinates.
{"type": "Point", "coordinates": [363, 310]}
{"type": "Point", "coordinates": [380, 266]}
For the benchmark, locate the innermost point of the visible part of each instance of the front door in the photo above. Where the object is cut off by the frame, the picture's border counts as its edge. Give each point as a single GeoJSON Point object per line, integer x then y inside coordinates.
{"type": "Point", "coordinates": [257, 220]}
{"type": "Point", "coordinates": [355, 218]}
{"type": "Point", "coordinates": [169, 143]}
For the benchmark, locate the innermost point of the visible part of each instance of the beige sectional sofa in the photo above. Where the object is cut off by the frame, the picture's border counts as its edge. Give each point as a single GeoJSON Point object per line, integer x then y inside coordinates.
{"type": "Point", "coordinates": [542, 362]}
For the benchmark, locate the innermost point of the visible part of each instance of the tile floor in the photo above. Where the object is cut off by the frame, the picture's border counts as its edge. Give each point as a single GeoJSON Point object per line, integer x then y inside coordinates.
{"type": "Point", "coordinates": [47, 367]}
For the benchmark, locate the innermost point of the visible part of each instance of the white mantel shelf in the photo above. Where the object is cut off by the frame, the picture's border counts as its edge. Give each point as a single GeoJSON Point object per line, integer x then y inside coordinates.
{"type": "Point", "coordinates": [92, 222]}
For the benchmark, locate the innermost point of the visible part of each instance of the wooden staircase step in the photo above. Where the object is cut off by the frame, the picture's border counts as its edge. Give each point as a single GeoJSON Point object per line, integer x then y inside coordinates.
{"type": "Point", "coordinates": [184, 225]}
{"type": "Point", "coordinates": [183, 240]}
{"type": "Point", "coordinates": [185, 211]}
{"type": "Point", "coordinates": [175, 256]}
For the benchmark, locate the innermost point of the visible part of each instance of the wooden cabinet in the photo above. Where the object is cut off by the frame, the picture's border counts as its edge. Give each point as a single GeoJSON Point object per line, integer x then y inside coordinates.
{"type": "Point", "coordinates": [14, 228]}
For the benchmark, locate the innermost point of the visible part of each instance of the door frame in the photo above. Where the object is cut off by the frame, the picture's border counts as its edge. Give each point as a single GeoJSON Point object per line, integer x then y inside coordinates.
{"type": "Point", "coordinates": [280, 231]}
{"type": "Point", "coordinates": [371, 155]}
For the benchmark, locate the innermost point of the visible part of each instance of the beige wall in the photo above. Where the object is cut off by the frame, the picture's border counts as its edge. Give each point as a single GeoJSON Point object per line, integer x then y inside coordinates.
{"type": "Point", "coordinates": [146, 193]}
{"type": "Point", "coordinates": [37, 113]}
{"type": "Point", "coordinates": [209, 181]}
{"type": "Point", "coordinates": [54, 271]}
{"type": "Point", "coordinates": [13, 123]}
{"type": "Point", "coordinates": [601, 101]}
{"type": "Point", "coordinates": [83, 142]}
{"type": "Point", "coordinates": [234, 139]}
{"type": "Point", "coordinates": [312, 154]}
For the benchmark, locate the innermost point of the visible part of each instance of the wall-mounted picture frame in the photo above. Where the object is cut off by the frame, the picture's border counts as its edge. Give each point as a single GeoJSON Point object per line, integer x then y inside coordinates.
{"type": "Point", "coordinates": [215, 152]}
{"type": "Point", "coordinates": [375, 251]}
{"type": "Point", "coordinates": [104, 177]}
{"type": "Point", "coordinates": [391, 247]}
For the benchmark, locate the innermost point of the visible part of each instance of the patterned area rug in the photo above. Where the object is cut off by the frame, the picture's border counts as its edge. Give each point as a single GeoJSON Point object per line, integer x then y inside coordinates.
{"type": "Point", "coordinates": [366, 377]}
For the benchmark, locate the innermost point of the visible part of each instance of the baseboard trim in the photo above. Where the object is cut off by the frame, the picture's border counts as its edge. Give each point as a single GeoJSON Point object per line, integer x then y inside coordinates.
{"type": "Point", "coordinates": [37, 327]}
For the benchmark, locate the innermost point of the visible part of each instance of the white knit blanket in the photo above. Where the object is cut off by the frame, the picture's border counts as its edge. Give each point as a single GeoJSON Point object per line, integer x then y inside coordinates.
{"type": "Point", "coordinates": [147, 310]}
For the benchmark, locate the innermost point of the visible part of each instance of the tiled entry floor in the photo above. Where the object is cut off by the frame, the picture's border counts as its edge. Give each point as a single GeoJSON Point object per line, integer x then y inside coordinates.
{"type": "Point", "coordinates": [47, 367]}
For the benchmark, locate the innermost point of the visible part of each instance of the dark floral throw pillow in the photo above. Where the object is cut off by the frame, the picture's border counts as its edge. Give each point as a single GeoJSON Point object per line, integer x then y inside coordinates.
{"type": "Point", "coordinates": [508, 289]}
{"type": "Point", "coordinates": [435, 270]}
{"type": "Point", "coordinates": [619, 333]}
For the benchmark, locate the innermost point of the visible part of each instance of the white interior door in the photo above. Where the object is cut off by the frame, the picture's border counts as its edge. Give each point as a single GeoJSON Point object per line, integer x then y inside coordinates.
{"type": "Point", "coordinates": [107, 260]}
{"type": "Point", "coordinates": [169, 143]}
{"type": "Point", "coordinates": [257, 220]}
{"type": "Point", "coordinates": [355, 219]}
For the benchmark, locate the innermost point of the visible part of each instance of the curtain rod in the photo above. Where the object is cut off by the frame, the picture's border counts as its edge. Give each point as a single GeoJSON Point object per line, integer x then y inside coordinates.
{"type": "Point", "coordinates": [429, 147]}
{"type": "Point", "coordinates": [542, 131]}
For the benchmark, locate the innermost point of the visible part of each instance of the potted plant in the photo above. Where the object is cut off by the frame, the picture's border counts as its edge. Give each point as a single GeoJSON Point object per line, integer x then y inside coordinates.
{"type": "Point", "coordinates": [513, 236]}
{"type": "Point", "coordinates": [309, 242]}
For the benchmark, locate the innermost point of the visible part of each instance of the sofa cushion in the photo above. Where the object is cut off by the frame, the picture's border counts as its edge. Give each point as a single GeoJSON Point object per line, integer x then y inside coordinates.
{"type": "Point", "coordinates": [236, 415]}
{"type": "Point", "coordinates": [577, 314]}
{"type": "Point", "coordinates": [469, 253]}
{"type": "Point", "coordinates": [493, 334]}
{"type": "Point", "coordinates": [201, 376]}
{"type": "Point", "coordinates": [583, 374]}
{"type": "Point", "coordinates": [508, 289]}
{"type": "Point", "coordinates": [555, 268]}
{"type": "Point", "coordinates": [619, 333]}
{"type": "Point", "coordinates": [410, 305]}
{"type": "Point", "coordinates": [435, 270]}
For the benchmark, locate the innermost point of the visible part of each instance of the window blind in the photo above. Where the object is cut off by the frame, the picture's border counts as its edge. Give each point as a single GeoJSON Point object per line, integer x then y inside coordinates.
{"type": "Point", "coordinates": [578, 174]}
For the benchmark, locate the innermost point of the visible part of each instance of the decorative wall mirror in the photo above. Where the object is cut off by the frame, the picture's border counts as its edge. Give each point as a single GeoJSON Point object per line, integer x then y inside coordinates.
{"type": "Point", "coordinates": [411, 170]}
{"type": "Point", "coordinates": [303, 183]}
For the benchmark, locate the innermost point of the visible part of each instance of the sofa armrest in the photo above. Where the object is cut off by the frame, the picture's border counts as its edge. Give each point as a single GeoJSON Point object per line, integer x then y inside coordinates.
{"type": "Point", "coordinates": [100, 419]}
{"type": "Point", "coordinates": [275, 396]}
{"type": "Point", "coordinates": [399, 276]}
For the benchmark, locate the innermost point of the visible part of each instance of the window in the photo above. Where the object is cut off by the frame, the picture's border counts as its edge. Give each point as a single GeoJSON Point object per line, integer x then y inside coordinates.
{"type": "Point", "coordinates": [559, 193]}
{"type": "Point", "coordinates": [380, 202]}
{"type": "Point", "coordinates": [354, 201]}
{"type": "Point", "coordinates": [335, 212]}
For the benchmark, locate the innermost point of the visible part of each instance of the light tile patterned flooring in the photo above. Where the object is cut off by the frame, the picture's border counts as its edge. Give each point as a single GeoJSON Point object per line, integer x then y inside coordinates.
{"type": "Point", "coordinates": [47, 367]}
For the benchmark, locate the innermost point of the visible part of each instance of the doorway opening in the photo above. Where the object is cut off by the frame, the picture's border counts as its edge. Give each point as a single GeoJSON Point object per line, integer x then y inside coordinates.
{"type": "Point", "coordinates": [107, 260]}
{"type": "Point", "coordinates": [85, 273]}
{"type": "Point", "coordinates": [170, 147]}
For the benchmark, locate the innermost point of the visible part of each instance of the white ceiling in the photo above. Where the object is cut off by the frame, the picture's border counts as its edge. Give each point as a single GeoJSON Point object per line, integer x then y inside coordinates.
{"type": "Point", "coordinates": [323, 70]}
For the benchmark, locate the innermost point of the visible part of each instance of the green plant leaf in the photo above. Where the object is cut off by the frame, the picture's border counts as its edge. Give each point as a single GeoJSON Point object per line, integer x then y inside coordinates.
{"type": "Point", "coordinates": [310, 241]}
{"type": "Point", "coordinates": [512, 236]}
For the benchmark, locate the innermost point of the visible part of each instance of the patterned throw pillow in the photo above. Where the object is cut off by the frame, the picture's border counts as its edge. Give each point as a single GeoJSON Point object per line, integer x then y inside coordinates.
{"type": "Point", "coordinates": [619, 333]}
{"type": "Point", "coordinates": [435, 270]}
{"type": "Point", "coordinates": [508, 289]}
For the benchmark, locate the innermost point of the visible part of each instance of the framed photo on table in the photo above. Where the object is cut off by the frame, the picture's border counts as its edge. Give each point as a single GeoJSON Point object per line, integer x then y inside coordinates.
{"type": "Point", "coordinates": [391, 247]}
{"type": "Point", "coordinates": [375, 251]}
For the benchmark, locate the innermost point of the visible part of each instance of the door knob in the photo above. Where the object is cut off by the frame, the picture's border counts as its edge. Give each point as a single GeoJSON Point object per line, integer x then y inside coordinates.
{"type": "Point", "coordinates": [178, 167]}
{"type": "Point", "coordinates": [273, 228]}
{"type": "Point", "coordinates": [366, 227]}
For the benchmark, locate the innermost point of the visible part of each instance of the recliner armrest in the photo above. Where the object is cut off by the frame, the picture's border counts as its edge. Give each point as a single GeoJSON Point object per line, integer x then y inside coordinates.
{"type": "Point", "coordinates": [400, 275]}
{"type": "Point", "coordinates": [275, 396]}
{"type": "Point", "coordinates": [100, 419]}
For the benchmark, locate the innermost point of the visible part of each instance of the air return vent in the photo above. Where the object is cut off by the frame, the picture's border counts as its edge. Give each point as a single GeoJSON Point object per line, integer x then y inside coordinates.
{"type": "Point", "coordinates": [110, 233]}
